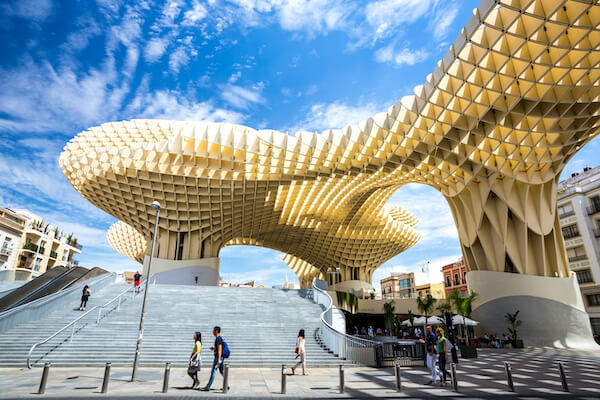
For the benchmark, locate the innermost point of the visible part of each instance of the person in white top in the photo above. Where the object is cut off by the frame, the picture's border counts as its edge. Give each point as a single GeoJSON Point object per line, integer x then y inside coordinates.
{"type": "Point", "coordinates": [301, 353]}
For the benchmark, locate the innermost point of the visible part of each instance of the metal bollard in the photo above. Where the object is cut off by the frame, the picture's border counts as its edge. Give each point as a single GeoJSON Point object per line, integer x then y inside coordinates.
{"type": "Point", "coordinates": [42, 387]}
{"type": "Point", "coordinates": [106, 378]}
{"type": "Point", "coordinates": [563, 377]}
{"type": "Point", "coordinates": [341, 379]}
{"type": "Point", "coordinates": [225, 377]}
{"type": "Point", "coordinates": [72, 333]}
{"type": "Point", "coordinates": [397, 373]}
{"type": "Point", "coordinates": [283, 376]}
{"type": "Point", "coordinates": [454, 379]}
{"type": "Point", "coordinates": [98, 319]}
{"type": "Point", "coordinates": [509, 378]}
{"type": "Point", "coordinates": [166, 377]}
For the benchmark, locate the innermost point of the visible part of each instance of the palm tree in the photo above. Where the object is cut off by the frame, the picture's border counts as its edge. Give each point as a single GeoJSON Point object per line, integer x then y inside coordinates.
{"type": "Point", "coordinates": [515, 322]}
{"type": "Point", "coordinates": [443, 308]}
{"type": "Point", "coordinates": [388, 314]}
{"type": "Point", "coordinates": [463, 306]}
{"type": "Point", "coordinates": [411, 318]}
{"type": "Point", "coordinates": [426, 305]}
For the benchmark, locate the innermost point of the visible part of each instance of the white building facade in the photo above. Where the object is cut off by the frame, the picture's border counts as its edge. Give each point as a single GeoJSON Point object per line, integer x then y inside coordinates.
{"type": "Point", "coordinates": [578, 204]}
{"type": "Point", "coordinates": [29, 247]}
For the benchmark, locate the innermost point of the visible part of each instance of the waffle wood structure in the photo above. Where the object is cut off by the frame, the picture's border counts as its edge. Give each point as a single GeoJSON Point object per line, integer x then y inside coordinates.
{"type": "Point", "coordinates": [515, 97]}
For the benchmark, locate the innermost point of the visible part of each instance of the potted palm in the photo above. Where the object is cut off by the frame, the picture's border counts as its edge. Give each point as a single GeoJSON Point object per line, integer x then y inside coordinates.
{"type": "Point", "coordinates": [463, 307]}
{"type": "Point", "coordinates": [515, 322]}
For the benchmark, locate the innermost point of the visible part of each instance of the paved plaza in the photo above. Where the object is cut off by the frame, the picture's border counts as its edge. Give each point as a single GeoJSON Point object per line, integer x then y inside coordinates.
{"type": "Point", "coordinates": [535, 376]}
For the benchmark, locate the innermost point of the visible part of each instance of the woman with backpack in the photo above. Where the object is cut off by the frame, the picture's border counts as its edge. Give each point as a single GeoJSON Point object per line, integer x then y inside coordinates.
{"type": "Point", "coordinates": [84, 297]}
{"type": "Point", "coordinates": [300, 351]}
{"type": "Point", "coordinates": [195, 361]}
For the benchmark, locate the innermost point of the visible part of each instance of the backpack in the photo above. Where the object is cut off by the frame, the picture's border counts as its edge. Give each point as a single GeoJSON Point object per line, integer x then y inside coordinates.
{"type": "Point", "coordinates": [226, 352]}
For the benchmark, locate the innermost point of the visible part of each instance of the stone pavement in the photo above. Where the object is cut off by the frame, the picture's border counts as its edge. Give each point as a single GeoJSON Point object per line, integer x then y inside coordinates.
{"type": "Point", "coordinates": [534, 371]}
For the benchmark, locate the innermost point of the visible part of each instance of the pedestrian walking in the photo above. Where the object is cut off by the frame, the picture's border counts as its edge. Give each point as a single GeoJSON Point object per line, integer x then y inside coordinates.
{"type": "Point", "coordinates": [136, 281]}
{"type": "Point", "coordinates": [195, 361]}
{"type": "Point", "coordinates": [301, 352]}
{"type": "Point", "coordinates": [442, 350]}
{"type": "Point", "coordinates": [430, 344]}
{"type": "Point", "coordinates": [84, 297]}
{"type": "Point", "coordinates": [221, 351]}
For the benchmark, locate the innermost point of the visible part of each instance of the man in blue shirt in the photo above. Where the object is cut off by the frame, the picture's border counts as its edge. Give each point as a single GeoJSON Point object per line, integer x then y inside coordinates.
{"type": "Point", "coordinates": [218, 360]}
{"type": "Point", "coordinates": [430, 344]}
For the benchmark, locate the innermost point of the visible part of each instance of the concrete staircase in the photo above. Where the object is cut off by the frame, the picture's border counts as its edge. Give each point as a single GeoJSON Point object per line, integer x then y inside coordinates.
{"type": "Point", "coordinates": [259, 325]}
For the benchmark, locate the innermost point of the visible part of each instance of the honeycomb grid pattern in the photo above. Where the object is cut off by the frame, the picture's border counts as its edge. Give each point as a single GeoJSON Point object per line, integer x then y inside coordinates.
{"type": "Point", "coordinates": [515, 97]}
{"type": "Point", "coordinates": [127, 241]}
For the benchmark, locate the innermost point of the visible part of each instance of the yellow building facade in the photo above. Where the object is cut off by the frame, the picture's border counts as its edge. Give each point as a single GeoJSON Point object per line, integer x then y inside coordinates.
{"type": "Point", "coordinates": [436, 290]}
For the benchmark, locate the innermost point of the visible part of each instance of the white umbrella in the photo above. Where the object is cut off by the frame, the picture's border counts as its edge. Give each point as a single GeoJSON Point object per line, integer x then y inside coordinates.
{"type": "Point", "coordinates": [460, 320]}
{"type": "Point", "coordinates": [406, 322]}
{"type": "Point", "coordinates": [430, 321]}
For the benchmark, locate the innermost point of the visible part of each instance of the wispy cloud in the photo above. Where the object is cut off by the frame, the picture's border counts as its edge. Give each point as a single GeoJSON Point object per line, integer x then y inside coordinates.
{"type": "Point", "coordinates": [241, 97]}
{"type": "Point", "coordinates": [442, 22]}
{"type": "Point", "coordinates": [335, 115]}
{"type": "Point", "coordinates": [37, 10]}
{"type": "Point", "coordinates": [397, 58]}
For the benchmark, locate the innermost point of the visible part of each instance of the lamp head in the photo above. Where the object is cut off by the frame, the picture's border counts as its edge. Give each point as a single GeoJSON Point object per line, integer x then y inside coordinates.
{"type": "Point", "coordinates": [156, 205]}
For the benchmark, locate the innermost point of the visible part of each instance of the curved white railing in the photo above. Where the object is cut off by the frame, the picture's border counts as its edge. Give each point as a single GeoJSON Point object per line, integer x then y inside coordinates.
{"type": "Point", "coordinates": [73, 324]}
{"type": "Point", "coordinates": [358, 350]}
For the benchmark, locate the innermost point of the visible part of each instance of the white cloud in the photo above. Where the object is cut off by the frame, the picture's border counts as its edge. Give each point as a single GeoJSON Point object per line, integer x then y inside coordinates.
{"type": "Point", "coordinates": [388, 16]}
{"type": "Point", "coordinates": [155, 48]}
{"type": "Point", "coordinates": [235, 77]}
{"type": "Point", "coordinates": [441, 23]}
{"type": "Point", "coordinates": [335, 115]}
{"type": "Point", "coordinates": [314, 16]}
{"type": "Point", "coordinates": [436, 224]}
{"type": "Point", "coordinates": [37, 10]}
{"type": "Point", "coordinates": [400, 57]}
{"type": "Point", "coordinates": [241, 97]}
{"type": "Point", "coordinates": [197, 13]}
{"type": "Point", "coordinates": [178, 59]}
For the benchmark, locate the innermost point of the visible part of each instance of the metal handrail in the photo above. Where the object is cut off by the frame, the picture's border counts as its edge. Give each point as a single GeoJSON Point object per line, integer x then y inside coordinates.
{"type": "Point", "coordinates": [72, 323]}
{"type": "Point", "coordinates": [358, 350]}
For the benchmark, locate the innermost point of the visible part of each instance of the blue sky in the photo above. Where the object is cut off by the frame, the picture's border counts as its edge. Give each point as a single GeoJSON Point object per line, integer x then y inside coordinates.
{"type": "Point", "coordinates": [285, 65]}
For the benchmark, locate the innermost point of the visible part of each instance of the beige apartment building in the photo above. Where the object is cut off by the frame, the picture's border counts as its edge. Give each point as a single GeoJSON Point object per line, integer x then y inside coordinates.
{"type": "Point", "coordinates": [398, 286]}
{"type": "Point", "coordinates": [579, 212]}
{"type": "Point", "coordinates": [29, 246]}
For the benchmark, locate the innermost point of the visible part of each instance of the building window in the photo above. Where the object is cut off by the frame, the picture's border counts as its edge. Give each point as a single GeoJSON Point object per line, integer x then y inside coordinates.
{"type": "Point", "coordinates": [584, 276]}
{"type": "Point", "coordinates": [37, 264]}
{"type": "Point", "coordinates": [594, 205]}
{"type": "Point", "coordinates": [464, 277]}
{"type": "Point", "coordinates": [565, 210]}
{"type": "Point", "coordinates": [570, 231]}
{"type": "Point", "coordinates": [456, 281]}
{"type": "Point", "coordinates": [593, 299]}
{"type": "Point", "coordinates": [595, 325]}
{"type": "Point", "coordinates": [576, 253]}
{"type": "Point", "coordinates": [65, 255]}
{"type": "Point", "coordinates": [404, 283]}
{"type": "Point", "coordinates": [448, 281]}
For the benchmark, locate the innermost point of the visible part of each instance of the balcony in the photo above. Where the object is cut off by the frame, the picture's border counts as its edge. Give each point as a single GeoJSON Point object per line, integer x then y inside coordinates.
{"type": "Point", "coordinates": [53, 254]}
{"type": "Point", "coordinates": [577, 258]}
{"type": "Point", "coordinates": [30, 246]}
{"type": "Point", "coordinates": [571, 234]}
{"type": "Point", "coordinates": [5, 251]}
{"type": "Point", "coordinates": [566, 214]}
{"type": "Point", "coordinates": [594, 208]}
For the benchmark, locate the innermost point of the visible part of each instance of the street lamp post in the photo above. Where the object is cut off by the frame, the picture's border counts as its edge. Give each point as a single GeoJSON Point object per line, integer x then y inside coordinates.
{"type": "Point", "coordinates": [155, 206]}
